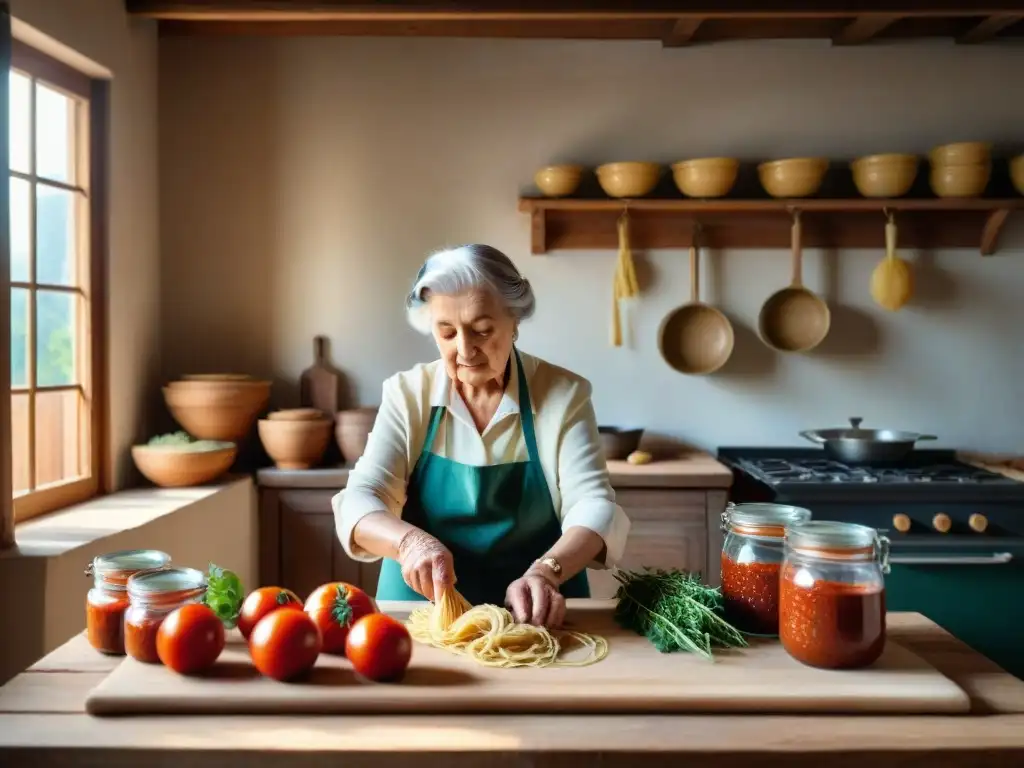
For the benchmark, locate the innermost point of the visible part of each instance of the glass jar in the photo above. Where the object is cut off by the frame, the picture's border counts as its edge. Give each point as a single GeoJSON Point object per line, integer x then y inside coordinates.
{"type": "Point", "coordinates": [832, 594]}
{"type": "Point", "coordinates": [751, 561]}
{"type": "Point", "coordinates": [153, 595]}
{"type": "Point", "coordinates": [106, 602]}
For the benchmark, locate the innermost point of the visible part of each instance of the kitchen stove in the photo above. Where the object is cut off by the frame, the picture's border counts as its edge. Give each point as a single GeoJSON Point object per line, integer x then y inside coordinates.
{"type": "Point", "coordinates": [956, 531]}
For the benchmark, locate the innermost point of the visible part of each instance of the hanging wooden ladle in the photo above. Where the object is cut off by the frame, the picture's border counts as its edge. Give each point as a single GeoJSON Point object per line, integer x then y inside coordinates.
{"type": "Point", "coordinates": [696, 338]}
{"type": "Point", "coordinates": [794, 319]}
{"type": "Point", "coordinates": [892, 282]}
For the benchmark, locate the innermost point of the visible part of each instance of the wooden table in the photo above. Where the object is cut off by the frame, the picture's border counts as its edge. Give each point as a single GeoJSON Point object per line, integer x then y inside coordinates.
{"type": "Point", "coordinates": [43, 722]}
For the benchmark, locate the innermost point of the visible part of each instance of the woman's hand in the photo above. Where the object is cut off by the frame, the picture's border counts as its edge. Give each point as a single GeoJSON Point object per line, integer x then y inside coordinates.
{"type": "Point", "coordinates": [426, 564]}
{"type": "Point", "coordinates": [534, 598]}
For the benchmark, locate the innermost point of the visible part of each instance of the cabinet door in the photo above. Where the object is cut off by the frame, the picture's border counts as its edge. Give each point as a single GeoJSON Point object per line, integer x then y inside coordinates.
{"type": "Point", "coordinates": [668, 530]}
{"type": "Point", "coordinates": [311, 554]}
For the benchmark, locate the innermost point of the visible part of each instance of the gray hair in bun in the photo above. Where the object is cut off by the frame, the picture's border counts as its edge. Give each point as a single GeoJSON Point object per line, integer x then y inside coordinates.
{"type": "Point", "coordinates": [465, 268]}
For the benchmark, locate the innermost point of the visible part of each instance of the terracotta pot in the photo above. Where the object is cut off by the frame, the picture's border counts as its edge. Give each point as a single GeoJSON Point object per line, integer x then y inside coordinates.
{"type": "Point", "coordinates": [217, 411]}
{"type": "Point", "coordinates": [295, 444]}
{"type": "Point", "coordinates": [175, 468]}
{"type": "Point", "coordinates": [353, 430]}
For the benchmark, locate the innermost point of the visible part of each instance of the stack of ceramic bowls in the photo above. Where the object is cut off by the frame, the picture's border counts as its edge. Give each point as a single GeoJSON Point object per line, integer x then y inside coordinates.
{"type": "Point", "coordinates": [962, 169]}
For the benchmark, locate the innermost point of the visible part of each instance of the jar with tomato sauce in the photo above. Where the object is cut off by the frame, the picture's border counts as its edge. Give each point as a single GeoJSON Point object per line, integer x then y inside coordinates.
{"type": "Point", "coordinates": [832, 594]}
{"type": "Point", "coordinates": [153, 595]}
{"type": "Point", "coordinates": [107, 601]}
{"type": "Point", "coordinates": [752, 553]}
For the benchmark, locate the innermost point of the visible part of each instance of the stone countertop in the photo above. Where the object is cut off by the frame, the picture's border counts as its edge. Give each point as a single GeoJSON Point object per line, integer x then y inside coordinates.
{"type": "Point", "coordinates": [689, 469]}
{"type": "Point", "coordinates": [43, 722]}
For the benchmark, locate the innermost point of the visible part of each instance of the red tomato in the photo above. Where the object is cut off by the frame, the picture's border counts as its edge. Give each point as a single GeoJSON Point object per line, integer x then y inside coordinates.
{"type": "Point", "coordinates": [262, 601]}
{"type": "Point", "coordinates": [379, 647]}
{"type": "Point", "coordinates": [190, 639]}
{"type": "Point", "coordinates": [335, 607]}
{"type": "Point", "coordinates": [284, 644]}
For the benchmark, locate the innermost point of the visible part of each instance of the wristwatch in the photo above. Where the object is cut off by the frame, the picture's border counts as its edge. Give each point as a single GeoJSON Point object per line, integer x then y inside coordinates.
{"type": "Point", "coordinates": [552, 563]}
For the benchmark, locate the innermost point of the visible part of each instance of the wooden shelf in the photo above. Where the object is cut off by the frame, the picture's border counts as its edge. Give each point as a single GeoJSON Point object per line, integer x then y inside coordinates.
{"type": "Point", "coordinates": [576, 224]}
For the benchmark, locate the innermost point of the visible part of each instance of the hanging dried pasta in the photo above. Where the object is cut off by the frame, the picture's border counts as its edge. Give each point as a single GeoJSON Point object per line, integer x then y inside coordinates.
{"type": "Point", "coordinates": [625, 283]}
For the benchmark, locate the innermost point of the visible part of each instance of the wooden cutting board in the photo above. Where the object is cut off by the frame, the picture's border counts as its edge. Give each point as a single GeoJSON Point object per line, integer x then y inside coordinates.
{"type": "Point", "coordinates": [633, 678]}
{"type": "Point", "coordinates": [320, 384]}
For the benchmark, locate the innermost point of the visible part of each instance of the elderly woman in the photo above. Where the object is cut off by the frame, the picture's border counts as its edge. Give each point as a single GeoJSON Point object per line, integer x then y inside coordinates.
{"type": "Point", "coordinates": [483, 467]}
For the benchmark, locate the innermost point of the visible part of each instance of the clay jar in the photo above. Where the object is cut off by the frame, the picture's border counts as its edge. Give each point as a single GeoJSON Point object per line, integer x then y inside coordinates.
{"type": "Point", "coordinates": [352, 430]}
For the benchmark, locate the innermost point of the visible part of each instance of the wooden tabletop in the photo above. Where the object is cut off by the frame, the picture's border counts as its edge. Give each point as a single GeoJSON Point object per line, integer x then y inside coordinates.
{"type": "Point", "coordinates": [43, 722]}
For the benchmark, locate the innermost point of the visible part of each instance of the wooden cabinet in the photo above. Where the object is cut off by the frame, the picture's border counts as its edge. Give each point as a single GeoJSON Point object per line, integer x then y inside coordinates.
{"type": "Point", "coordinates": [671, 528]}
{"type": "Point", "coordinates": [299, 548]}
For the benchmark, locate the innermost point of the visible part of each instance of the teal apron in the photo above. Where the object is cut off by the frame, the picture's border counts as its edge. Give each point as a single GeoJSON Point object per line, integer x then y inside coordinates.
{"type": "Point", "coordinates": [496, 520]}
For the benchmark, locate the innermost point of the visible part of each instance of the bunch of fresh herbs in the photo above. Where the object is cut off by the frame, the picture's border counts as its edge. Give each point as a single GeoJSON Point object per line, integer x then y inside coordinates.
{"type": "Point", "coordinates": [675, 610]}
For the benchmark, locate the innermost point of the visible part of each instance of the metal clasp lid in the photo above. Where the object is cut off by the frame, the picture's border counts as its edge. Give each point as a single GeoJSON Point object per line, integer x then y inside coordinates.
{"type": "Point", "coordinates": [882, 552]}
{"type": "Point", "coordinates": [726, 517]}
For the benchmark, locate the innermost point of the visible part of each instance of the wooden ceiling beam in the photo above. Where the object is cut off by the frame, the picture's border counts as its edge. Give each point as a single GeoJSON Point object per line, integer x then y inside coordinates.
{"type": "Point", "coordinates": [863, 28]}
{"type": "Point", "coordinates": [988, 29]}
{"type": "Point", "coordinates": [547, 10]}
{"type": "Point", "coordinates": [682, 32]}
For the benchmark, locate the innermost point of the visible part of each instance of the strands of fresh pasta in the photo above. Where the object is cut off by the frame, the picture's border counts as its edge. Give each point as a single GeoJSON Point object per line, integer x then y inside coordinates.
{"type": "Point", "coordinates": [625, 284]}
{"type": "Point", "coordinates": [490, 636]}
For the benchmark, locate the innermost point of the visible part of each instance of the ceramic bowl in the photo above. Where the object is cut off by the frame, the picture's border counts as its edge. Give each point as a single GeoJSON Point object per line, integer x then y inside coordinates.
{"type": "Point", "coordinates": [890, 175]}
{"type": "Point", "coordinates": [706, 177]}
{"type": "Point", "coordinates": [630, 179]}
{"type": "Point", "coordinates": [558, 180]}
{"type": "Point", "coordinates": [792, 177]}
{"type": "Point", "coordinates": [175, 467]}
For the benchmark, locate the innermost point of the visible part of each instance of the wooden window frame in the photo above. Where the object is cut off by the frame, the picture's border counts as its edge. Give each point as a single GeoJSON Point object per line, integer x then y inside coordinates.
{"type": "Point", "coordinates": [93, 381]}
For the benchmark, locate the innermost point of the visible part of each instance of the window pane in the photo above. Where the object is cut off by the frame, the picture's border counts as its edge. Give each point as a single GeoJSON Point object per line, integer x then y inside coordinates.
{"type": "Point", "coordinates": [19, 337]}
{"type": "Point", "coordinates": [55, 236]}
{"type": "Point", "coordinates": [19, 443]}
{"type": "Point", "coordinates": [57, 442]}
{"type": "Point", "coordinates": [55, 338]}
{"type": "Point", "coordinates": [21, 229]}
{"type": "Point", "coordinates": [20, 122]}
{"type": "Point", "coordinates": [54, 134]}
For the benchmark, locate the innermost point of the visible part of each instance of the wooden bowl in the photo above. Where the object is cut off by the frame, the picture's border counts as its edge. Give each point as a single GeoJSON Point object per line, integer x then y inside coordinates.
{"type": "Point", "coordinates": [960, 180]}
{"type": "Point", "coordinates": [297, 414]}
{"type": "Point", "coordinates": [217, 377]}
{"type": "Point", "coordinates": [628, 179]}
{"type": "Point", "coordinates": [298, 444]}
{"type": "Point", "coordinates": [889, 175]}
{"type": "Point", "coordinates": [793, 177]}
{"type": "Point", "coordinates": [618, 443]}
{"type": "Point", "coordinates": [1017, 172]}
{"type": "Point", "coordinates": [352, 431]}
{"type": "Point", "coordinates": [961, 153]}
{"type": "Point", "coordinates": [706, 177]}
{"type": "Point", "coordinates": [177, 467]}
{"type": "Point", "coordinates": [216, 413]}
{"type": "Point", "coordinates": [558, 180]}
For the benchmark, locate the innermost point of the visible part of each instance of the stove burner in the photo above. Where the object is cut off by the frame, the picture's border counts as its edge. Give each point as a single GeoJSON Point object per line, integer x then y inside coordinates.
{"type": "Point", "coordinates": [778, 471]}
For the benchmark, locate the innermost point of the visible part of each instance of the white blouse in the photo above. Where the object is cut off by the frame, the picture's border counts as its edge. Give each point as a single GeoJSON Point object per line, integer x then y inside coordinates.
{"type": "Point", "coordinates": [567, 444]}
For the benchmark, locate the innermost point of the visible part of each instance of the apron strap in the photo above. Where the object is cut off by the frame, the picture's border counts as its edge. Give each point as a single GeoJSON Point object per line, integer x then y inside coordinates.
{"type": "Point", "coordinates": [526, 412]}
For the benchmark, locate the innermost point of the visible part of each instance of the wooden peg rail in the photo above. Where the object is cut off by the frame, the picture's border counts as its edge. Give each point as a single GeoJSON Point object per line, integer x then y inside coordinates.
{"type": "Point", "coordinates": [933, 224]}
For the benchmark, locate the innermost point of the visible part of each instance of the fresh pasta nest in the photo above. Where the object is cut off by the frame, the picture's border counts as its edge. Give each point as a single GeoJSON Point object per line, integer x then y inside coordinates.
{"type": "Point", "coordinates": [490, 636]}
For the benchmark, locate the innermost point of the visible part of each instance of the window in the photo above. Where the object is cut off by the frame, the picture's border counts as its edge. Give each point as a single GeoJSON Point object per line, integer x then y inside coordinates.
{"type": "Point", "coordinates": [56, 329]}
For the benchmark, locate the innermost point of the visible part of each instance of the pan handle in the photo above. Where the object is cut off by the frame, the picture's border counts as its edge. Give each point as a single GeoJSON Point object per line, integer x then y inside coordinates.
{"type": "Point", "coordinates": [813, 437]}
{"type": "Point", "coordinates": [927, 437]}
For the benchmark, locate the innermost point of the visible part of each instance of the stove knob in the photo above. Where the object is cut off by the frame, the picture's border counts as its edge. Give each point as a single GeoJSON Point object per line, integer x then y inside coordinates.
{"type": "Point", "coordinates": [942, 523]}
{"type": "Point", "coordinates": [901, 523]}
{"type": "Point", "coordinates": [978, 522]}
